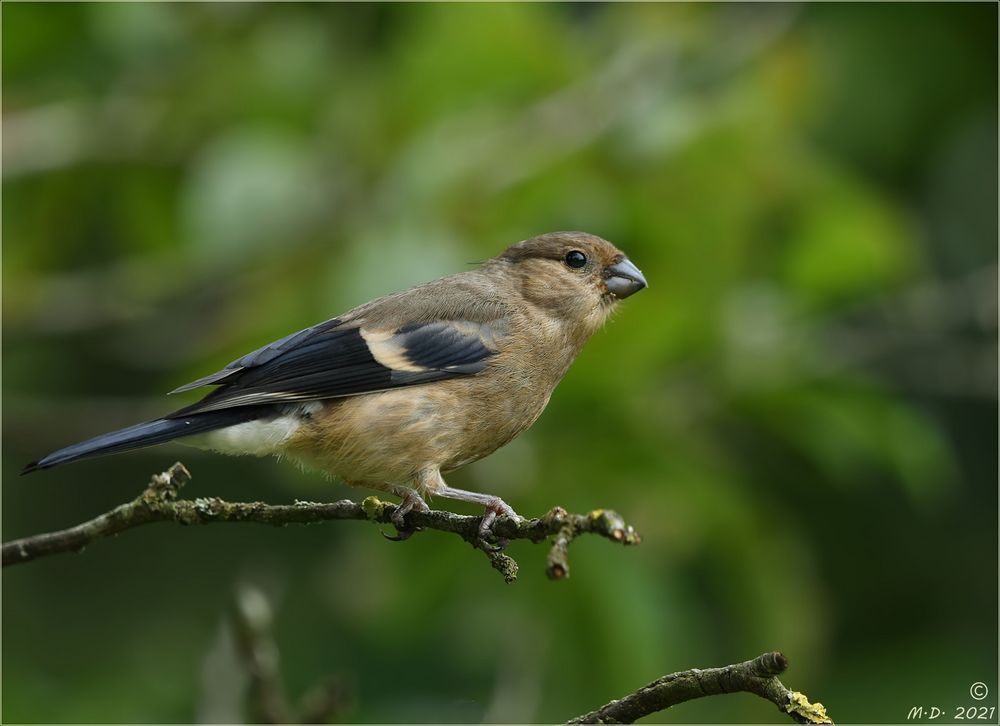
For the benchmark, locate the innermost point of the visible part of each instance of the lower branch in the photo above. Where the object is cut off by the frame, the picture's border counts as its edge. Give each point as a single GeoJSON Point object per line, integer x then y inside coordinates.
{"type": "Point", "coordinates": [159, 503]}
{"type": "Point", "coordinates": [758, 676]}
{"type": "Point", "coordinates": [258, 651]}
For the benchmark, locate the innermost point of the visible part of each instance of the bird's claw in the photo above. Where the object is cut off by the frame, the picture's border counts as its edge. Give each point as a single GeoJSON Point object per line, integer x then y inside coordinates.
{"type": "Point", "coordinates": [411, 501]}
{"type": "Point", "coordinates": [401, 534]}
{"type": "Point", "coordinates": [486, 539]}
{"type": "Point", "coordinates": [491, 544]}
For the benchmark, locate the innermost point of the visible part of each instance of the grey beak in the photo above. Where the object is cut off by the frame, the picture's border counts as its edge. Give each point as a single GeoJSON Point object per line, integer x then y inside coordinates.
{"type": "Point", "coordinates": [623, 278]}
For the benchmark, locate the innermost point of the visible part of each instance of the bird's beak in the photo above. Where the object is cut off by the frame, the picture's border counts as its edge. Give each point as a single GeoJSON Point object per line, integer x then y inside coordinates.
{"type": "Point", "coordinates": [623, 278]}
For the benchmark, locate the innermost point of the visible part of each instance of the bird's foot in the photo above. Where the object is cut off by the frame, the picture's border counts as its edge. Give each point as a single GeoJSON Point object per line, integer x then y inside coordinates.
{"type": "Point", "coordinates": [495, 506]}
{"type": "Point", "coordinates": [411, 501]}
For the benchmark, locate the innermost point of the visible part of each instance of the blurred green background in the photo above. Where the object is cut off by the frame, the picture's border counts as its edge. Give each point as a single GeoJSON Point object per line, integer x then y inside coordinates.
{"type": "Point", "coordinates": [800, 414]}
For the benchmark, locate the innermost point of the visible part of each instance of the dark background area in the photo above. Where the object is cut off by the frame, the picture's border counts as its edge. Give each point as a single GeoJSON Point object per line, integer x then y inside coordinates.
{"type": "Point", "coordinates": [799, 414]}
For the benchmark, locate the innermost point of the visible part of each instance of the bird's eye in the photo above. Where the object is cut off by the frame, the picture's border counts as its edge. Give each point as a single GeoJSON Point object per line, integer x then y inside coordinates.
{"type": "Point", "coordinates": [576, 259]}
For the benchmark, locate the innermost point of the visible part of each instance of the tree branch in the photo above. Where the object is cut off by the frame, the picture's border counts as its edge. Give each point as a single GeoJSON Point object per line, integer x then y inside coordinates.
{"type": "Point", "coordinates": [159, 503]}
{"type": "Point", "coordinates": [252, 623]}
{"type": "Point", "coordinates": [758, 676]}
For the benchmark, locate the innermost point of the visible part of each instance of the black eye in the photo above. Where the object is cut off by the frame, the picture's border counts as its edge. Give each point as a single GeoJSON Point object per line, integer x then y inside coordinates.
{"type": "Point", "coordinates": [576, 259]}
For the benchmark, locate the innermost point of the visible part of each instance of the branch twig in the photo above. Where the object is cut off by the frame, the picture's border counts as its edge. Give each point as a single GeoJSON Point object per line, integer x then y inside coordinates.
{"type": "Point", "coordinates": [252, 624]}
{"type": "Point", "coordinates": [159, 503]}
{"type": "Point", "coordinates": [758, 676]}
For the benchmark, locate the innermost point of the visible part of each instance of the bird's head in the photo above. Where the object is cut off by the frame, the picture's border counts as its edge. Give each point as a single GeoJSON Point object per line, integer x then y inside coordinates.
{"type": "Point", "coordinates": [578, 276]}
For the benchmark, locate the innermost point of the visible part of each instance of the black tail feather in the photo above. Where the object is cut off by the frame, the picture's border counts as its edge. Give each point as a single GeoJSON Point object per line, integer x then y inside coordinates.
{"type": "Point", "coordinates": [148, 433]}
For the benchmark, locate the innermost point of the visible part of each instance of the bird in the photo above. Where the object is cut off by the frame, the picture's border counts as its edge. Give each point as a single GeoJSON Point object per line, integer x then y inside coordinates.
{"type": "Point", "coordinates": [399, 391]}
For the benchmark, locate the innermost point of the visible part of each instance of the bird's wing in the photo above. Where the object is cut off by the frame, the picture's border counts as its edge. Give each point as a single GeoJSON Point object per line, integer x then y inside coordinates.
{"type": "Point", "coordinates": [337, 358]}
{"type": "Point", "coordinates": [260, 356]}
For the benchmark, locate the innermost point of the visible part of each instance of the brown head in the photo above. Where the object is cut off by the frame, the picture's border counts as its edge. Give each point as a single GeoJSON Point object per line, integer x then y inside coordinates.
{"type": "Point", "coordinates": [576, 275]}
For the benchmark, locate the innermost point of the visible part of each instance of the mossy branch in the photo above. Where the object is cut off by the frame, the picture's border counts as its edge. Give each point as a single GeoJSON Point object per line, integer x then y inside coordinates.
{"type": "Point", "coordinates": [758, 676]}
{"type": "Point", "coordinates": [159, 502]}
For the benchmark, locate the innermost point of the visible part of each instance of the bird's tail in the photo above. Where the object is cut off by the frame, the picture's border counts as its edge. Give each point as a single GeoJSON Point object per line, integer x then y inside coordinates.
{"type": "Point", "coordinates": [148, 433]}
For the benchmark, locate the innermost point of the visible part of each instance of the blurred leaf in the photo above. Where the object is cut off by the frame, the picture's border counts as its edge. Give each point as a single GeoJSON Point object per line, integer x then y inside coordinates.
{"type": "Point", "coordinates": [250, 192]}
{"type": "Point", "coordinates": [846, 244]}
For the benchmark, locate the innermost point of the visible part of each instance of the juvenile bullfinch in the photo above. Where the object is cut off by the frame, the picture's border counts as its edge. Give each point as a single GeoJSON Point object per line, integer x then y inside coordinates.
{"type": "Point", "coordinates": [397, 391]}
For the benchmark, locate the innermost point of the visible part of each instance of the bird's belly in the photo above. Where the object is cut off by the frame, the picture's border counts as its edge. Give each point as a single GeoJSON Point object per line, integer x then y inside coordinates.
{"type": "Point", "coordinates": [387, 438]}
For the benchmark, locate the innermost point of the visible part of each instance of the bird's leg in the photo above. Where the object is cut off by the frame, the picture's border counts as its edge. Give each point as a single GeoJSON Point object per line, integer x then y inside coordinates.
{"type": "Point", "coordinates": [430, 482]}
{"type": "Point", "coordinates": [411, 500]}
{"type": "Point", "coordinates": [494, 506]}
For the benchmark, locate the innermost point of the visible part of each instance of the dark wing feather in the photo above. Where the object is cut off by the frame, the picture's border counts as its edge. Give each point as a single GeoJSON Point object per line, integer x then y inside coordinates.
{"type": "Point", "coordinates": [331, 361]}
{"type": "Point", "coordinates": [260, 356]}
{"type": "Point", "coordinates": [447, 345]}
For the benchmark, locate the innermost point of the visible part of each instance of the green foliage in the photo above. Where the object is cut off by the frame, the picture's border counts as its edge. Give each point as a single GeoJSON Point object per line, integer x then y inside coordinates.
{"type": "Point", "coordinates": [799, 415]}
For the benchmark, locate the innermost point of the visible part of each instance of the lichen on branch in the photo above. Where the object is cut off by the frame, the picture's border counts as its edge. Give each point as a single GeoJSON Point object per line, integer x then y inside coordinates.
{"type": "Point", "coordinates": [160, 502]}
{"type": "Point", "coordinates": [758, 676]}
